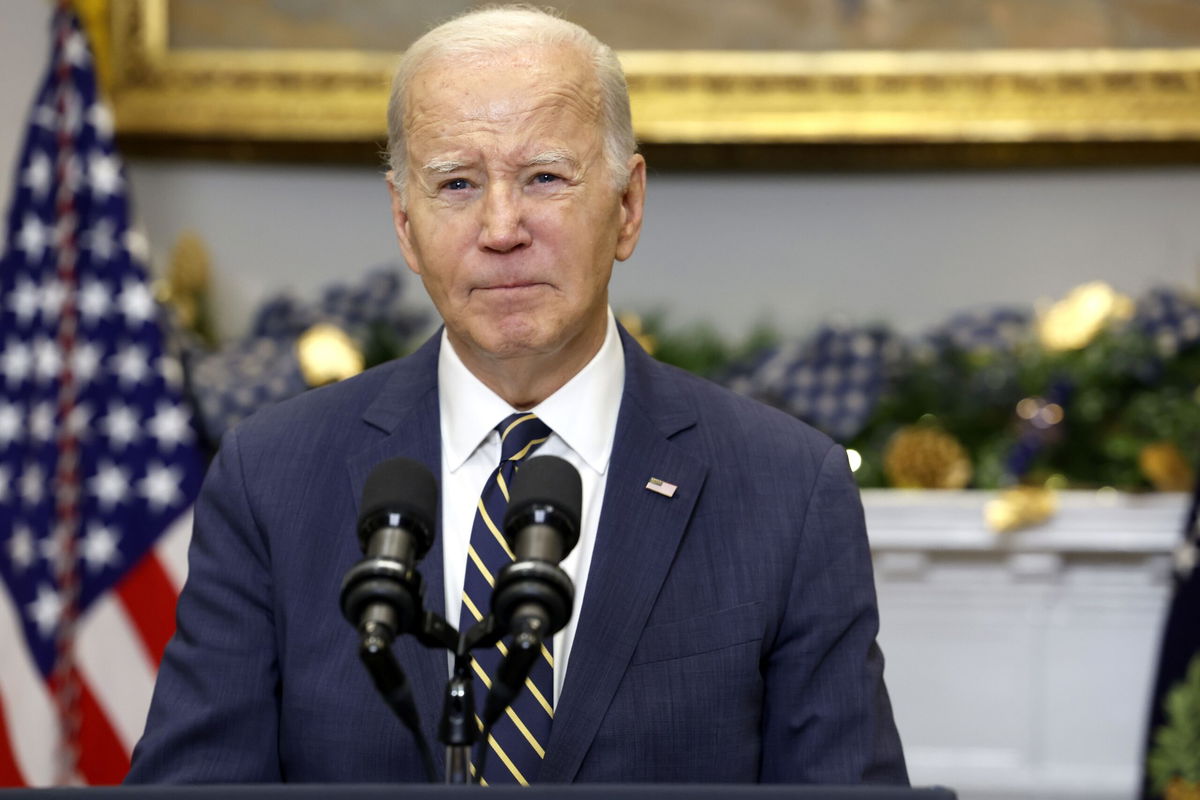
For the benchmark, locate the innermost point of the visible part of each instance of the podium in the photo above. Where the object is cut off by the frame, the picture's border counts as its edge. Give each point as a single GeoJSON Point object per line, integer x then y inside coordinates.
{"type": "Point", "coordinates": [594, 791]}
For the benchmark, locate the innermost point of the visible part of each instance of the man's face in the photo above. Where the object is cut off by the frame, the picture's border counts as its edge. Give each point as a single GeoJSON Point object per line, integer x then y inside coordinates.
{"type": "Point", "coordinates": [511, 216]}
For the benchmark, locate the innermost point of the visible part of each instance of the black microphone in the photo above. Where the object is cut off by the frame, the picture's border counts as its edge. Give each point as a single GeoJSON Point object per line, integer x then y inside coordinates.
{"type": "Point", "coordinates": [541, 526]}
{"type": "Point", "coordinates": [396, 525]}
{"type": "Point", "coordinates": [533, 597]}
{"type": "Point", "coordinates": [382, 594]}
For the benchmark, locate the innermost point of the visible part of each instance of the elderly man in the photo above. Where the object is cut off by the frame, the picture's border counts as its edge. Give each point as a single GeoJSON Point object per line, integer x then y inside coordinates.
{"type": "Point", "coordinates": [725, 620]}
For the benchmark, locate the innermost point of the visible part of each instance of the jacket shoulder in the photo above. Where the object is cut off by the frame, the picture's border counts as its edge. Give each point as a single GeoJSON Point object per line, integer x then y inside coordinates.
{"type": "Point", "coordinates": [730, 421]}
{"type": "Point", "coordinates": [328, 417]}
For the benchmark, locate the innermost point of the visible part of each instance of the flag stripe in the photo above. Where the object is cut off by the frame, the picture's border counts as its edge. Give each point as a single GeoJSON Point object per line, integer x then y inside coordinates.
{"type": "Point", "coordinates": [102, 759]}
{"type": "Point", "coordinates": [149, 600]}
{"type": "Point", "coordinates": [10, 774]}
{"type": "Point", "coordinates": [87, 598]}
{"type": "Point", "coordinates": [172, 549]}
{"type": "Point", "coordinates": [109, 652]}
{"type": "Point", "coordinates": [28, 708]}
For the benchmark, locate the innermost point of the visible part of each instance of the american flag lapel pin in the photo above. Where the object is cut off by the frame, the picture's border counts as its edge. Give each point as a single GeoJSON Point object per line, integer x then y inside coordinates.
{"type": "Point", "coordinates": [659, 486]}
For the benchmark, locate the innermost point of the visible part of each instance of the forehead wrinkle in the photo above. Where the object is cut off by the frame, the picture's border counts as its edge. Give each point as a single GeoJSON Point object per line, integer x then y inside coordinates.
{"type": "Point", "coordinates": [442, 110]}
{"type": "Point", "coordinates": [567, 85]}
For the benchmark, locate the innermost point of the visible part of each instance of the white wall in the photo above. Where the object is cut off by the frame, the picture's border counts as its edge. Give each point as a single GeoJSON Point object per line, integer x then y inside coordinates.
{"type": "Point", "coordinates": [907, 248]}
{"type": "Point", "coordinates": [24, 48]}
{"type": "Point", "coordinates": [800, 248]}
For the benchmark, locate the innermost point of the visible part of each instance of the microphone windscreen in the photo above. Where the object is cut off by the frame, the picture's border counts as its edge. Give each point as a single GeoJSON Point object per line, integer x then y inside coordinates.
{"type": "Point", "coordinates": [546, 480]}
{"type": "Point", "coordinates": [403, 486]}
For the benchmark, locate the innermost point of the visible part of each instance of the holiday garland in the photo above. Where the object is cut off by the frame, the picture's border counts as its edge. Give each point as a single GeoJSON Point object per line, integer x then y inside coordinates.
{"type": "Point", "coordinates": [1095, 391]}
{"type": "Point", "coordinates": [1174, 760]}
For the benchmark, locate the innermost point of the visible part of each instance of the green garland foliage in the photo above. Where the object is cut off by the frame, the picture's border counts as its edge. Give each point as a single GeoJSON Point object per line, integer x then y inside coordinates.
{"type": "Point", "coordinates": [1176, 750]}
{"type": "Point", "coordinates": [699, 348]}
{"type": "Point", "coordinates": [1117, 395]}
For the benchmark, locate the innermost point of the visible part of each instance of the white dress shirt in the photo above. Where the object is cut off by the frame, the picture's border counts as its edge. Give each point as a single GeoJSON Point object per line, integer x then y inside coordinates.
{"type": "Point", "coordinates": [583, 417]}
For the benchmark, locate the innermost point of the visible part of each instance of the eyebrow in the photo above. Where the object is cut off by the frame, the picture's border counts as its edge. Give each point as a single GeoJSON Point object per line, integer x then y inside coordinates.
{"type": "Point", "coordinates": [556, 156]}
{"type": "Point", "coordinates": [443, 165]}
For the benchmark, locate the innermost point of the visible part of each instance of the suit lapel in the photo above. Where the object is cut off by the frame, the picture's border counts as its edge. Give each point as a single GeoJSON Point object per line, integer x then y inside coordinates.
{"type": "Point", "coordinates": [638, 535]}
{"type": "Point", "coordinates": [407, 412]}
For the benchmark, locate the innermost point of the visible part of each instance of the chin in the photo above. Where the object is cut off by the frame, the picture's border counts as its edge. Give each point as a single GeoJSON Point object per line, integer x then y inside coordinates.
{"type": "Point", "coordinates": [516, 338]}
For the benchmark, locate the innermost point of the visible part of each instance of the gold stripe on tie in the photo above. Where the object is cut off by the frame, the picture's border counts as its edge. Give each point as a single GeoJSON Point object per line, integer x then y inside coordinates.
{"type": "Point", "coordinates": [479, 564]}
{"type": "Point", "coordinates": [537, 748]}
{"type": "Point", "coordinates": [503, 485]}
{"type": "Point", "coordinates": [504, 756]}
{"type": "Point", "coordinates": [487, 682]}
{"type": "Point", "coordinates": [492, 527]}
{"type": "Point", "coordinates": [515, 423]}
{"type": "Point", "coordinates": [500, 752]}
{"type": "Point", "coordinates": [482, 673]}
{"type": "Point", "coordinates": [533, 743]}
{"type": "Point", "coordinates": [507, 761]}
{"type": "Point", "coordinates": [538, 695]}
{"type": "Point", "coordinates": [471, 607]}
{"type": "Point", "coordinates": [546, 655]}
{"type": "Point", "coordinates": [525, 731]}
{"type": "Point", "coordinates": [525, 450]}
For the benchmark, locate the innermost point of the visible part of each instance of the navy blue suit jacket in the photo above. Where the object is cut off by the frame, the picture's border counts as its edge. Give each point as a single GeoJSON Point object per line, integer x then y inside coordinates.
{"type": "Point", "coordinates": [727, 633]}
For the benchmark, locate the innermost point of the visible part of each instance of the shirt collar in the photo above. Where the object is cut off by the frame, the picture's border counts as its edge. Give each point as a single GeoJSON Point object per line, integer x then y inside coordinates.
{"type": "Point", "coordinates": [583, 412]}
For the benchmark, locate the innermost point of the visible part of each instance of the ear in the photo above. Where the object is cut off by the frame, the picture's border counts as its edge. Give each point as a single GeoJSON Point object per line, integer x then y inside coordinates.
{"type": "Point", "coordinates": [401, 223]}
{"type": "Point", "coordinates": [632, 202]}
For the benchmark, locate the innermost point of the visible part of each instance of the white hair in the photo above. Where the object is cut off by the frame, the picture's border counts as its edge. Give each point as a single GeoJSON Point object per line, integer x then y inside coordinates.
{"type": "Point", "coordinates": [497, 29]}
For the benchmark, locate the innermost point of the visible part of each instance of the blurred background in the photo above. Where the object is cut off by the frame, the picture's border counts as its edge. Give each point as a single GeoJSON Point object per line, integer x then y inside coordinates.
{"type": "Point", "coordinates": [1003, 308]}
{"type": "Point", "coordinates": [726, 246]}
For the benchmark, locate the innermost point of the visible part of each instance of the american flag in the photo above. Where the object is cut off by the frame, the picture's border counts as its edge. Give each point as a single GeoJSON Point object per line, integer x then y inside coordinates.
{"type": "Point", "coordinates": [98, 463]}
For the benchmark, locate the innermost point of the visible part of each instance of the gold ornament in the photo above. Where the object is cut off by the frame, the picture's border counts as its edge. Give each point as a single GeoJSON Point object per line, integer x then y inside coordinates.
{"type": "Point", "coordinates": [1165, 467]}
{"type": "Point", "coordinates": [1073, 322]}
{"type": "Point", "coordinates": [1179, 789]}
{"type": "Point", "coordinates": [633, 324]}
{"type": "Point", "coordinates": [190, 264]}
{"type": "Point", "coordinates": [186, 284]}
{"type": "Point", "coordinates": [1021, 507]}
{"type": "Point", "coordinates": [327, 355]}
{"type": "Point", "coordinates": [926, 457]}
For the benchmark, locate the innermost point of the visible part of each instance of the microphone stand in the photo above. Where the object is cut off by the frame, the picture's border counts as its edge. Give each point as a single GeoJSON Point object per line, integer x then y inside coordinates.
{"type": "Point", "coordinates": [457, 730]}
{"type": "Point", "coordinates": [375, 652]}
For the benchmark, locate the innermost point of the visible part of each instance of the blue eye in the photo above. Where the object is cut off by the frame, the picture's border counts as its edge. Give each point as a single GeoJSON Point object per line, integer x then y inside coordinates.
{"type": "Point", "coordinates": [546, 177]}
{"type": "Point", "coordinates": [457, 185]}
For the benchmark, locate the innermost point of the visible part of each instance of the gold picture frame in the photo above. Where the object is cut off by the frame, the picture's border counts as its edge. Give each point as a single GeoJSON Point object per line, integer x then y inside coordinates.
{"type": "Point", "coordinates": [840, 101]}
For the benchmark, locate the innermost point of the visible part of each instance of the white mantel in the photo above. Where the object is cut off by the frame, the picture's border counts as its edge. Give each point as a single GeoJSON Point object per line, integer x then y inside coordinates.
{"type": "Point", "coordinates": [1020, 664]}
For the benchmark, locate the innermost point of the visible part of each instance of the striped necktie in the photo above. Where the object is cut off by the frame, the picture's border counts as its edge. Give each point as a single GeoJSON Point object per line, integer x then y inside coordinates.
{"type": "Point", "coordinates": [518, 739]}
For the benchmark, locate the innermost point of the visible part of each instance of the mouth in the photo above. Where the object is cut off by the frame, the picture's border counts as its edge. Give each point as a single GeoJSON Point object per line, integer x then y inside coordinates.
{"type": "Point", "coordinates": [513, 286]}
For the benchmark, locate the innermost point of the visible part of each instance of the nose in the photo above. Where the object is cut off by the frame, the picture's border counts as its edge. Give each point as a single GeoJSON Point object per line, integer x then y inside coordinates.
{"type": "Point", "coordinates": [503, 225]}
